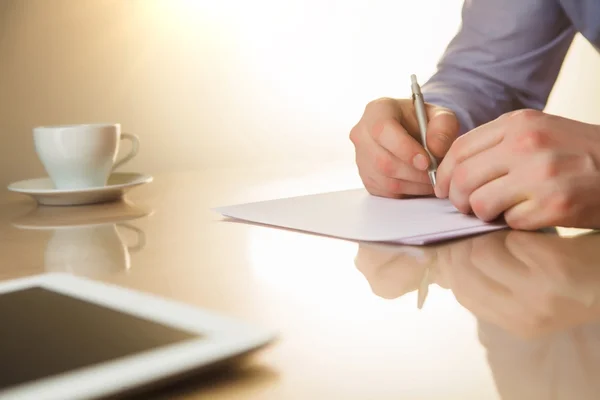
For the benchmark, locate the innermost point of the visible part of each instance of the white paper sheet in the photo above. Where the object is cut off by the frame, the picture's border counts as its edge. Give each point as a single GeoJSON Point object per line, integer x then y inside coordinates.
{"type": "Point", "coordinates": [357, 215]}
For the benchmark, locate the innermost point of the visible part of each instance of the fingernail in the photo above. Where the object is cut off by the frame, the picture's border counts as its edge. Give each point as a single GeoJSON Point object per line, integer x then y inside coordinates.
{"type": "Point", "coordinates": [420, 162]}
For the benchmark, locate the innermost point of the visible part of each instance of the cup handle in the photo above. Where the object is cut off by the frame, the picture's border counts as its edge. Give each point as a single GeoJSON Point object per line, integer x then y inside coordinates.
{"type": "Point", "coordinates": [135, 146]}
{"type": "Point", "coordinates": [141, 236]}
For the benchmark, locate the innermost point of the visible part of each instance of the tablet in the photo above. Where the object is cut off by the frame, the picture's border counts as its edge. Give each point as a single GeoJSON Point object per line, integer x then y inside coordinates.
{"type": "Point", "coordinates": [66, 337]}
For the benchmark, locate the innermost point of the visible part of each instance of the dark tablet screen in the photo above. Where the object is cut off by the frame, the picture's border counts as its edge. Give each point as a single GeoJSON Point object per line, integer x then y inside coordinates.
{"type": "Point", "coordinates": [43, 333]}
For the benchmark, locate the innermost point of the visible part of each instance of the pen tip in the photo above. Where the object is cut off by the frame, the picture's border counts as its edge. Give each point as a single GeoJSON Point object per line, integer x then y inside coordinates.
{"type": "Point", "coordinates": [413, 78]}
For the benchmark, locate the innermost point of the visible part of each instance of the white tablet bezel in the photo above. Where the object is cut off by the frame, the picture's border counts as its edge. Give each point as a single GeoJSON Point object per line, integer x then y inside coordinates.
{"type": "Point", "coordinates": [222, 338]}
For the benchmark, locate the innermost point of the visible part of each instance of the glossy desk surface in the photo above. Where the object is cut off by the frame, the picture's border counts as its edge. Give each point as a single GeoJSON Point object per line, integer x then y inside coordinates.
{"type": "Point", "coordinates": [508, 315]}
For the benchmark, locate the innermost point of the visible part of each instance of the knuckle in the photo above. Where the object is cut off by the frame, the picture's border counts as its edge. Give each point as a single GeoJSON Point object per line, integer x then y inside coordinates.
{"type": "Point", "coordinates": [530, 140]}
{"type": "Point", "coordinates": [515, 222]}
{"type": "Point", "coordinates": [480, 207]}
{"type": "Point", "coordinates": [377, 104]}
{"type": "Point", "coordinates": [354, 134]}
{"type": "Point", "coordinates": [561, 202]}
{"type": "Point", "coordinates": [460, 178]}
{"type": "Point", "coordinates": [460, 202]}
{"type": "Point", "coordinates": [384, 164]}
{"type": "Point", "coordinates": [379, 127]}
{"type": "Point", "coordinates": [587, 163]}
{"type": "Point", "coordinates": [370, 106]}
{"type": "Point", "coordinates": [462, 206]}
{"type": "Point", "coordinates": [393, 186]}
{"type": "Point", "coordinates": [526, 115]}
{"type": "Point", "coordinates": [459, 148]}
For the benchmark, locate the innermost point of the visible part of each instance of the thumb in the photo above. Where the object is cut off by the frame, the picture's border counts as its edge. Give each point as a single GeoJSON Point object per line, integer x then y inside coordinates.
{"type": "Point", "coordinates": [442, 130]}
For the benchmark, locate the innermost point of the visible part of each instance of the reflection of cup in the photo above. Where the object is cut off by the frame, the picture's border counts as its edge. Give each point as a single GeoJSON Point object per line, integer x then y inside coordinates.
{"type": "Point", "coordinates": [91, 249]}
{"type": "Point", "coordinates": [81, 156]}
{"type": "Point", "coordinates": [88, 240]}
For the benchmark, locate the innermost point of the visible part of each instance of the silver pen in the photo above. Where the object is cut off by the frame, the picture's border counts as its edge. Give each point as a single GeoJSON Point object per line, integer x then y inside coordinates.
{"type": "Point", "coordinates": [419, 104]}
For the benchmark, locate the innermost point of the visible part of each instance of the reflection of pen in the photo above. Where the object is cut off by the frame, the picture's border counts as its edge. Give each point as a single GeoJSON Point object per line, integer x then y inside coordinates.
{"type": "Point", "coordinates": [419, 104]}
{"type": "Point", "coordinates": [423, 288]}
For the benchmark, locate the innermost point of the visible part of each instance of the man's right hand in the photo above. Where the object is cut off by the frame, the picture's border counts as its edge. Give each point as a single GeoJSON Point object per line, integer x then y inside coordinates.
{"type": "Point", "coordinates": [390, 159]}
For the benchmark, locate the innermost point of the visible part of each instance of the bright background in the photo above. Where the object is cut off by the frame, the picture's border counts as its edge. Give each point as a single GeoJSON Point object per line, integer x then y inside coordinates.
{"type": "Point", "coordinates": [227, 82]}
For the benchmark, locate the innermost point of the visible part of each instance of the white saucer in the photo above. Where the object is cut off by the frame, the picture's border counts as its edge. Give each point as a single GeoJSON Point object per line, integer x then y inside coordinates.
{"type": "Point", "coordinates": [44, 192]}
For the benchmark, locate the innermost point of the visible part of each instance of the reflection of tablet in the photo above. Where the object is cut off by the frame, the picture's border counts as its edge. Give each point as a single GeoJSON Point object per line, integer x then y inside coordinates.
{"type": "Point", "coordinates": [64, 337]}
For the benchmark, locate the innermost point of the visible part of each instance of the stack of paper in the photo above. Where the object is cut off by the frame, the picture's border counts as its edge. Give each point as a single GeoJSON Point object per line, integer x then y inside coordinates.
{"type": "Point", "coordinates": [357, 215]}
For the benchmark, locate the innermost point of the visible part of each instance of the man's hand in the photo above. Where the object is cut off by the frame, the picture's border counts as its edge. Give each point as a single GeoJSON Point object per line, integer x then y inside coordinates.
{"type": "Point", "coordinates": [535, 169]}
{"type": "Point", "coordinates": [390, 159]}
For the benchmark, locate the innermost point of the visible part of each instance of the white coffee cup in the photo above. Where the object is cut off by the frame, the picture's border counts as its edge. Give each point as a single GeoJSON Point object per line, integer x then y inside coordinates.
{"type": "Point", "coordinates": [81, 156]}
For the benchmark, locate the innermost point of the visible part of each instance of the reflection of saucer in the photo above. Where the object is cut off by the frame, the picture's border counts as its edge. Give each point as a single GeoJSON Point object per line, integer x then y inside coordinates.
{"type": "Point", "coordinates": [90, 215]}
{"type": "Point", "coordinates": [44, 192]}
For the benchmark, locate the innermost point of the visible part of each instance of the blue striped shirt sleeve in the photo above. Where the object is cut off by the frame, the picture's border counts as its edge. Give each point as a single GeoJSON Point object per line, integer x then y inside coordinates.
{"type": "Point", "coordinates": [505, 56]}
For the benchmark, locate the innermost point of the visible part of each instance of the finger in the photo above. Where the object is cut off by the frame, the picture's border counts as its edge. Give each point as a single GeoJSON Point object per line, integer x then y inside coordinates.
{"type": "Point", "coordinates": [394, 138]}
{"type": "Point", "coordinates": [442, 130]}
{"type": "Point", "coordinates": [544, 254]}
{"type": "Point", "coordinates": [549, 203]}
{"type": "Point", "coordinates": [442, 126]}
{"type": "Point", "coordinates": [374, 189]}
{"type": "Point", "coordinates": [487, 290]}
{"type": "Point", "coordinates": [551, 257]}
{"type": "Point", "coordinates": [534, 180]}
{"type": "Point", "coordinates": [473, 142]}
{"type": "Point", "coordinates": [538, 254]}
{"type": "Point", "coordinates": [398, 187]}
{"type": "Point", "coordinates": [526, 215]}
{"type": "Point", "coordinates": [545, 202]}
{"type": "Point", "coordinates": [537, 250]}
{"type": "Point", "coordinates": [371, 257]}
{"type": "Point", "coordinates": [493, 259]}
{"type": "Point", "coordinates": [475, 172]}
{"type": "Point", "coordinates": [482, 296]}
{"type": "Point", "coordinates": [374, 161]}
{"type": "Point", "coordinates": [386, 270]}
{"type": "Point", "coordinates": [458, 199]}
{"type": "Point", "coordinates": [397, 279]}
{"type": "Point", "coordinates": [385, 163]}
{"type": "Point", "coordinates": [491, 200]}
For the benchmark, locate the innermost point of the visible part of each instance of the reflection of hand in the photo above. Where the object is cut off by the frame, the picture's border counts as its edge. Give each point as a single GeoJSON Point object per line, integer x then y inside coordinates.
{"type": "Point", "coordinates": [563, 365]}
{"type": "Point", "coordinates": [393, 271]}
{"type": "Point", "coordinates": [528, 283]}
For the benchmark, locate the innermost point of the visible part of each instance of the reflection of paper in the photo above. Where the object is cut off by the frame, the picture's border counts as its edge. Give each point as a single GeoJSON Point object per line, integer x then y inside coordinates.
{"type": "Point", "coordinates": [356, 215]}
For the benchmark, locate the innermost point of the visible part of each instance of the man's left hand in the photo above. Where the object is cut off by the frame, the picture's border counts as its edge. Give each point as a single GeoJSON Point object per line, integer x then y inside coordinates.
{"type": "Point", "coordinates": [535, 169]}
